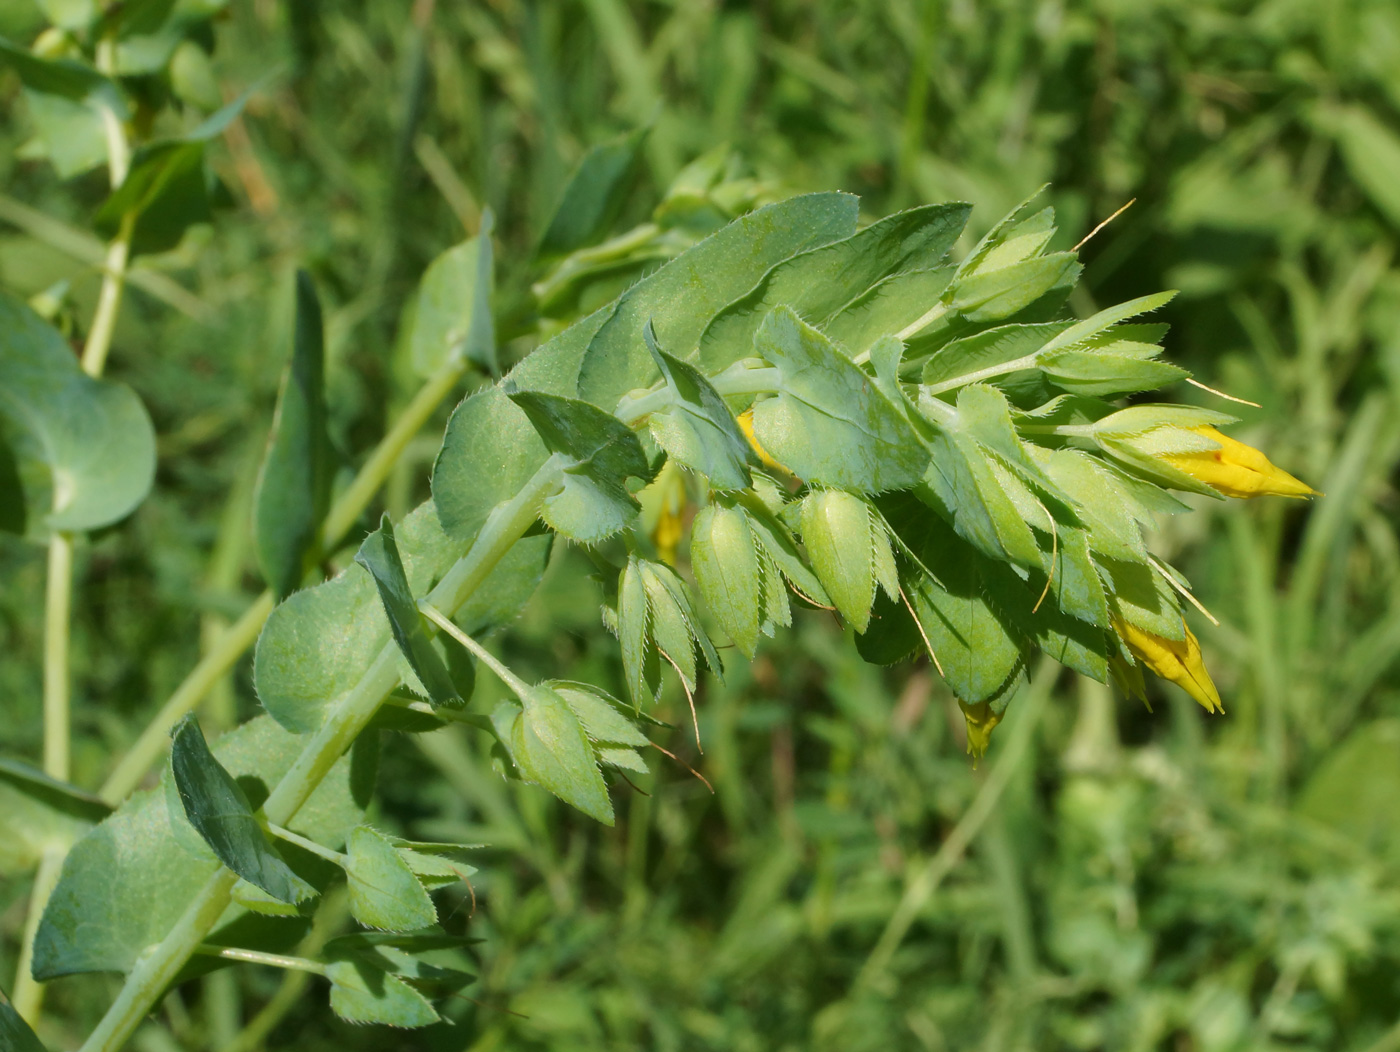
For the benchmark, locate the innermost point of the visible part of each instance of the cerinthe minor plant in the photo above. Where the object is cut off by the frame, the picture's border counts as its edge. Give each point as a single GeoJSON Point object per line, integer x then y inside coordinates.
{"type": "Point", "coordinates": [930, 448]}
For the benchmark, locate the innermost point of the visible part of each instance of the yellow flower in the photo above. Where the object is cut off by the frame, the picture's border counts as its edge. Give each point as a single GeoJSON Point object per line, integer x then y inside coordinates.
{"type": "Point", "coordinates": [1178, 660]}
{"type": "Point", "coordinates": [746, 426]}
{"type": "Point", "coordinates": [1235, 469]}
{"type": "Point", "coordinates": [981, 721]}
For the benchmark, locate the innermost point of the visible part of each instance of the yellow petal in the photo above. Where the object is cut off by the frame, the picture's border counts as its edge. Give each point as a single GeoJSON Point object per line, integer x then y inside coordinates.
{"type": "Point", "coordinates": [1177, 660]}
{"type": "Point", "coordinates": [981, 721]}
{"type": "Point", "coordinates": [746, 426]}
{"type": "Point", "coordinates": [1236, 470]}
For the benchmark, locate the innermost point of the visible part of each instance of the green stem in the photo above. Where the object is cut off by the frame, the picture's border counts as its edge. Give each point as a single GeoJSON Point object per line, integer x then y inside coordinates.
{"type": "Point", "coordinates": [272, 960]}
{"type": "Point", "coordinates": [506, 676]}
{"type": "Point", "coordinates": [1028, 362]}
{"type": "Point", "coordinates": [28, 993]}
{"type": "Point", "coordinates": [739, 378]}
{"type": "Point", "coordinates": [109, 300]}
{"type": "Point", "coordinates": [148, 980]}
{"type": "Point", "coordinates": [320, 850]}
{"type": "Point", "coordinates": [58, 605]}
{"type": "Point", "coordinates": [154, 739]}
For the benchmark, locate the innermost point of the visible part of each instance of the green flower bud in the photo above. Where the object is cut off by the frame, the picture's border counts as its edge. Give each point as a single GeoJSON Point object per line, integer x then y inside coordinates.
{"type": "Point", "coordinates": [849, 549]}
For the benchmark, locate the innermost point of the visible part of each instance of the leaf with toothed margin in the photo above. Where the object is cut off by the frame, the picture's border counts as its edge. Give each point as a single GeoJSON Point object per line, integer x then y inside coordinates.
{"type": "Point", "coordinates": [601, 453]}
{"type": "Point", "coordinates": [547, 744]}
{"type": "Point", "coordinates": [696, 428]}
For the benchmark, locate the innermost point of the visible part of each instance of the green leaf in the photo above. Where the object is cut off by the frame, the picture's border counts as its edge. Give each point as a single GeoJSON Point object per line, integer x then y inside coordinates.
{"type": "Point", "coordinates": [817, 284]}
{"type": "Point", "coordinates": [73, 107]}
{"type": "Point", "coordinates": [675, 626]}
{"type": "Point", "coordinates": [384, 893]}
{"type": "Point", "coordinates": [846, 542]}
{"type": "Point", "coordinates": [726, 565]}
{"type": "Point", "coordinates": [548, 746]}
{"type": "Point", "coordinates": [977, 651]}
{"type": "Point", "coordinates": [452, 318]}
{"type": "Point", "coordinates": [697, 429]}
{"type": "Point", "coordinates": [600, 713]}
{"type": "Point", "coordinates": [1104, 320]}
{"type": "Point", "coordinates": [602, 453]}
{"type": "Point", "coordinates": [994, 294]}
{"type": "Point", "coordinates": [633, 630]}
{"type": "Point", "coordinates": [430, 958]}
{"type": "Point", "coordinates": [83, 449]}
{"type": "Point", "coordinates": [167, 187]}
{"type": "Point", "coordinates": [681, 297]}
{"type": "Point", "coordinates": [318, 643]}
{"type": "Point", "coordinates": [221, 814]}
{"type": "Point", "coordinates": [362, 993]}
{"type": "Point", "coordinates": [380, 556]}
{"type": "Point", "coordinates": [489, 452]}
{"type": "Point", "coordinates": [594, 195]}
{"type": "Point", "coordinates": [1026, 232]}
{"type": "Point", "coordinates": [971, 355]}
{"type": "Point", "coordinates": [781, 550]}
{"type": "Point", "coordinates": [293, 489]}
{"type": "Point", "coordinates": [1113, 506]}
{"type": "Point", "coordinates": [126, 883]}
{"type": "Point", "coordinates": [37, 812]}
{"type": "Point", "coordinates": [1371, 152]}
{"type": "Point", "coordinates": [887, 308]}
{"type": "Point", "coordinates": [828, 423]}
{"type": "Point", "coordinates": [1106, 373]}
{"type": "Point", "coordinates": [15, 1035]}
{"type": "Point", "coordinates": [1140, 596]}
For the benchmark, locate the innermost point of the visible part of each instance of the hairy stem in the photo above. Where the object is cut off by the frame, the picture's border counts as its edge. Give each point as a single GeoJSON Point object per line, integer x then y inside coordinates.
{"type": "Point", "coordinates": [151, 744]}
{"type": "Point", "coordinates": [148, 980]}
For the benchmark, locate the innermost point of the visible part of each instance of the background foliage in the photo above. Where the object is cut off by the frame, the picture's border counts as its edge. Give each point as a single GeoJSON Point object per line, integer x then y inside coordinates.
{"type": "Point", "coordinates": [1146, 881]}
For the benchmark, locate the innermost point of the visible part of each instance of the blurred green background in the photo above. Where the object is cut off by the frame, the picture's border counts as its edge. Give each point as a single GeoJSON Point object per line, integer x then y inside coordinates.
{"type": "Point", "coordinates": [1108, 878]}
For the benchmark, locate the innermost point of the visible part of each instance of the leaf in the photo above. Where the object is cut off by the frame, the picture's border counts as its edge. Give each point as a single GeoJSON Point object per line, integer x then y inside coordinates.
{"type": "Point", "coordinates": [978, 652]}
{"type": "Point", "coordinates": [1371, 152]}
{"type": "Point", "coordinates": [221, 814]}
{"type": "Point", "coordinates": [779, 547]}
{"type": "Point", "coordinates": [594, 195]}
{"type": "Point", "coordinates": [600, 714]}
{"type": "Point", "coordinates": [83, 449]}
{"type": "Point", "coordinates": [727, 569]}
{"type": "Point", "coordinates": [1139, 595]}
{"type": "Point", "coordinates": [986, 350]}
{"type": "Point", "coordinates": [697, 429]}
{"type": "Point", "coordinates": [489, 452]}
{"type": "Point", "coordinates": [293, 489]}
{"type": "Point", "coordinates": [15, 1035]}
{"type": "Point", "coordinates": [428, 958]}
{"type": "Point", "coordinates": [818, 283]}
{"type": "Point", "coordinates": [317, 644]}
{"type": "Point", "coordinates": [361, 993]}
{"type": "Point", "coordinates": [380, 556]}
{"type": "Point", "coordinates": [547, 744]}
{"type": "Point", "coordinates": [1114, 507]}
{"type": "Point", "coordinates": [126, 883]}
{"type": "Point", "coordinates": [384, 893]}
{"type": "Point", "coordinates": [680, 297]}
{"type": "Point", "coordinates": [887, 307]}
{"type": "Point", "coordinates": [995, 294]}
{"type": "Point", "coordinates": [829, 423]}
{"type": "Point", "coordinates": [675, 626]}
{"type": "Point", "coordinates": [167, 187]}
{"type": "Point", "coordinates": [633, 630]}
{"type": "Point", "coordinates": [1102, 322]}
{"type": "Point", "coordinates": [602, 454]}
{"type": "Point", "coordinates": [842, 538]}
{"type": "Point", "coordinates": [1103, 373]}
{"type": "Point", "coordinates": [73, 108]}
{"type": "Point", "coordinates": [452, 318]}
{"type": "Point", "coordinates": [37, 812]}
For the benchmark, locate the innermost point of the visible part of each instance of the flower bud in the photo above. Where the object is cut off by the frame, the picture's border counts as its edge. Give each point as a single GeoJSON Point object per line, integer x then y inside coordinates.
{"type": "Point", "coordinates": [1235, 469]}
{"type": "Point", "coordinates": [849, 550]}
{"type": "Point", "coordinates": [1178, 660]}
{"type": "Point", "coordinates": [746, 426]}
{"type": "Point", "coordinates": [981, 721]}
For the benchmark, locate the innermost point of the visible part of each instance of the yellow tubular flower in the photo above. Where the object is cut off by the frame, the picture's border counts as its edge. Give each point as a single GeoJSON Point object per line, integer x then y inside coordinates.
{"type": "Point", "coordinates": [1178, 660]}
{"type": "Point", "coordinates": [1235, 469]}
{"type": "Point", "coordinates": [746, 426]}
{"type": "Point", "coordinates": [981, 721]}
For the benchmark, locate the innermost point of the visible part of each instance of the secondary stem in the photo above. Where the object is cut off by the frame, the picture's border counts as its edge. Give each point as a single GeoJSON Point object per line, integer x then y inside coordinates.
{"type": "Point", "coordinates": [154, 739]}
{"type": "Point", "coordinates": [58, 603]}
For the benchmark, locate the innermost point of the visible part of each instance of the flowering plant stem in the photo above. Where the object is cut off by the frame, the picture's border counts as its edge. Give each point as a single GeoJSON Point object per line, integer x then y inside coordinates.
{"type": "Point", "coordinates": [158, 968]}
